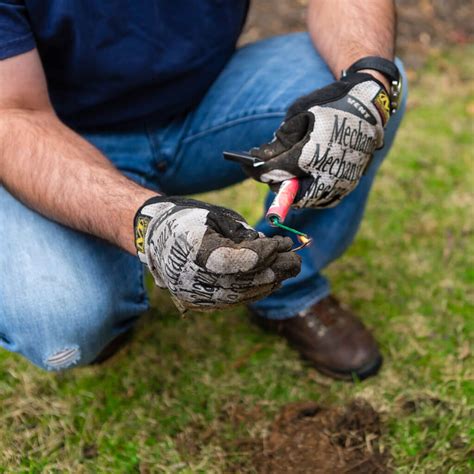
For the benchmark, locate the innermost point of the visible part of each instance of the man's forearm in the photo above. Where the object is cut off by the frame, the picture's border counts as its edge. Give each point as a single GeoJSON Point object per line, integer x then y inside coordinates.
{"type": "Point", "coordinates": [344, 31]}
{"type": "Point", "coordinates": [57, 173]}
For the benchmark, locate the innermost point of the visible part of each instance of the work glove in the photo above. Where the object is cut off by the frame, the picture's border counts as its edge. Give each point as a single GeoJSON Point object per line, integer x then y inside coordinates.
{"type": "Point", "coordinates": [207, 256]}
{"type": "Point", "coordinates": [326, 140]}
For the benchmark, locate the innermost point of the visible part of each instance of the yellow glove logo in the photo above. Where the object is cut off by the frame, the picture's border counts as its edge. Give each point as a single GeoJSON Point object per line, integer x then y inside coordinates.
{"type": "Point", "coordinates": [140, 232]}
{"type": "Point", "coordinates": [382, 102]}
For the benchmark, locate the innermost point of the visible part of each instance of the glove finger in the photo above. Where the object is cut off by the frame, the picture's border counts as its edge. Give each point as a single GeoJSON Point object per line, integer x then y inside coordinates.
{"type": "Point", "coordinates": [241, 287]}
{"type": "Point", "coordinates": [214, 292]}
{"type": "Point", "coordinates": [237, 289]}
{"type": "Point", "coordinates": [269, 249]}
{"type": "Point", "coordinates": [287, 265]}
{"type": "Point", "coordinates": [248, 297]}
{"type": "Point", "coordinates": [181, 202]}
{"type": "Point", "coordinates": [304, 185]}
{"type": "Point", "coordinates": [237, 230]}
{"type": "Point", "coordinates": [274, 173]}
{"type": "Point", "coordinates": [222, 256]}
{"type": "Point", "coordinates": [228, 300]}
{"type": "Point", "coordinates": [288, 134]}
{"type": "Point", "coordinates": [263, 293]}
{"type": "Point", "coordinates": [285, 244]}
{"type": "Point", "coordinates": [315, 195]}
{"type": "Point", "coordinates": [282, 153]}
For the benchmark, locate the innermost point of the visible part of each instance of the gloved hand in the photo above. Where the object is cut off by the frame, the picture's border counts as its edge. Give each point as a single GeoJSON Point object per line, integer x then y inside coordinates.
{"type": "Point", "coordinates": [207, 256]}
{"type": "Point", "coordinates": [327, 140]}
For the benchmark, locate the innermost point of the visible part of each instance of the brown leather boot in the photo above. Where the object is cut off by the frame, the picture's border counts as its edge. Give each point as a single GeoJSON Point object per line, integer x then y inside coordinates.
{"type": "Point", "coordinates": [332, 338]}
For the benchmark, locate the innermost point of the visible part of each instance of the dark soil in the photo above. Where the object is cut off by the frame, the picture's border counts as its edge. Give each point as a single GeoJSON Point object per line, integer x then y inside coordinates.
{"type": "Point", "coordinates": [304, 437]}
{"type": "Point", "coordinates": [309, 438]}
{"type": "Point", "coordinates": [423, 25]}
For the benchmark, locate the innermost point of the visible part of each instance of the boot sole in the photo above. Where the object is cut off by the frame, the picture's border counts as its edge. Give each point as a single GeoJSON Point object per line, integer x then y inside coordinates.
{"type": "Point", "coordinates": [362, 373]}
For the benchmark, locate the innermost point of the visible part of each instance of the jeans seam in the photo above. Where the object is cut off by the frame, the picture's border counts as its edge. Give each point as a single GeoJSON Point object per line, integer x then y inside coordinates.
{"type": "Point", "coordinates": [143, 292]}
{"type": "Point", "coordinates": [232, 122]}
{"type": "Point", "coordinates": [155, 154]}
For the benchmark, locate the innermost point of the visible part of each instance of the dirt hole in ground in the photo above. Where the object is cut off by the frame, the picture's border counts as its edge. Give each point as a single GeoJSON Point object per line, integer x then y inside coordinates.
{"type": "Point", "coordinates": [309, 438]}
{"type": "Point", "coordinates": [304, 437]}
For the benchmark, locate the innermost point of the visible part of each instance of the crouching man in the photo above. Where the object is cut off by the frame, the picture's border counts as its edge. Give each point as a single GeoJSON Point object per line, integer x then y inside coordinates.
{"type": "Point", "coordinates": [109, 117]}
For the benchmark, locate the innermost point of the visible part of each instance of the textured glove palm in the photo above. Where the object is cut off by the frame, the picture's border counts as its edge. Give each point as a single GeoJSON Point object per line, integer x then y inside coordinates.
{"type": "Point", "coordinates": [207, 256]}
{"type": "Point", "coordinates": [327, 140]}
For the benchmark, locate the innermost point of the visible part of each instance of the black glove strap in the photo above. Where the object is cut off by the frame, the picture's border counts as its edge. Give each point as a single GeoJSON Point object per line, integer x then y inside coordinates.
{"type": "Point", "coordinates": [382, 65]}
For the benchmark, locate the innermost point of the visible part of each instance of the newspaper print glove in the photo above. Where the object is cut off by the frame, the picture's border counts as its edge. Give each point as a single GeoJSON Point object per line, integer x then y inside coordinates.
{"type": "Point", "coordinates": [207, 256]}
{"type": "Point", "coordinates": [327, 140]}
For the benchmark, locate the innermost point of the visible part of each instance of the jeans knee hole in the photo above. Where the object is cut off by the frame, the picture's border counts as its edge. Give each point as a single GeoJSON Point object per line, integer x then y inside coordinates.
{"type": "Point", "coordinates": [63, 358]}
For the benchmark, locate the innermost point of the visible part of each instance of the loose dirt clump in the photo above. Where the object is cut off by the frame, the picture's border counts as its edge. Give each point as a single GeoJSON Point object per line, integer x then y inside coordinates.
{"type": "Point", "coordinates": [309, 438]}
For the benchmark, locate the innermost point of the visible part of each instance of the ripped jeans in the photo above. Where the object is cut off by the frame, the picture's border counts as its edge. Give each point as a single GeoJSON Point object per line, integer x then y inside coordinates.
{"type": "Point", "coordinates": [64, 295]}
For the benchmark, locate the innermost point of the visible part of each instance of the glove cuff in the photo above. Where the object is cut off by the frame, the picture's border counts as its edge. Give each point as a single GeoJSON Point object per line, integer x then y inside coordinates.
{"type": "Point", "coordinates": [386, 67]}
{"type": "Point", "coordinates": [140, 224]}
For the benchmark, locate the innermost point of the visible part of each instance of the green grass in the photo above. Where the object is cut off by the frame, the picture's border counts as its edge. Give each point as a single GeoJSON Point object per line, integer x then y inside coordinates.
{"type": "Point", "coordinates": [187, 390]}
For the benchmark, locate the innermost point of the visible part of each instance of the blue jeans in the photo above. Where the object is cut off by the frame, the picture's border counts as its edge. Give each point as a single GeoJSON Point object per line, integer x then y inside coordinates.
{"type": "Point", "coordinates": [64, 295]}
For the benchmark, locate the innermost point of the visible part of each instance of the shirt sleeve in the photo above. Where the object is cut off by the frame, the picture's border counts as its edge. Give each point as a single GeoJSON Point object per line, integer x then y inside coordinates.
{"type": "Point", "coordinates": [16, 36]}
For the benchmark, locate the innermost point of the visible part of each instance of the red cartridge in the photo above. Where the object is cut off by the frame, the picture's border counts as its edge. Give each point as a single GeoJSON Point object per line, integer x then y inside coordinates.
{"type": "Point", "coordinates": [285, 197]}
{"type": "Point", "coordinates": [283, 201]}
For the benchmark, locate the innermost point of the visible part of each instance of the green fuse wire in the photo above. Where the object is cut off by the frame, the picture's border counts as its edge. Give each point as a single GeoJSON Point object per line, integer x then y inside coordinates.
{"type": "Point", "coordinates": [303, 238]}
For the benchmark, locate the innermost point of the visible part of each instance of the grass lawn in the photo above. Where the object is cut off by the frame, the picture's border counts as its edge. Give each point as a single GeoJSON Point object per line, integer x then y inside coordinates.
{"type": "Point", "coordinates": [181, 395]}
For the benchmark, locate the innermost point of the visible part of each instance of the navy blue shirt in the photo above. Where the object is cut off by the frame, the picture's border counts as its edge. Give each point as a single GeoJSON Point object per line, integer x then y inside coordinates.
{"type": "Point", "coordinates": [110, 62]}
